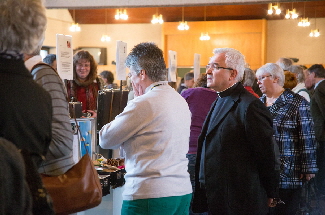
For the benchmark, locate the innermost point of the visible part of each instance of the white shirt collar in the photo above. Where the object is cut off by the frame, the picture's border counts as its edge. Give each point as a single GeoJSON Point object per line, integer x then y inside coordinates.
{"type": "Point", "coordinates": [318, 83]}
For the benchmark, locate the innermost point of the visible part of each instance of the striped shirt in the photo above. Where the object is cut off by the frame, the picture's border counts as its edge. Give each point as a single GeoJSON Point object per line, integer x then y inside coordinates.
{"type": "Point", "coordinates": [59, 157]}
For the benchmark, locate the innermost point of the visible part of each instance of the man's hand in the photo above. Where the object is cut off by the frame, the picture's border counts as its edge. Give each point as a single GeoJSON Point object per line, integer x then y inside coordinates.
{"type": "Point", "coordinates": [307, 176]}
{"type": "Point", "coordinates": [92, 112]}
{"type": "Point", "coordinates": [271, 203]}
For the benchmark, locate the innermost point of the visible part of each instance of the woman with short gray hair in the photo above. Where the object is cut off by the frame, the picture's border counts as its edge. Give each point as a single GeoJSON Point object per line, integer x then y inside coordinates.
{"type": "Point", "coordinates": [294, 133]}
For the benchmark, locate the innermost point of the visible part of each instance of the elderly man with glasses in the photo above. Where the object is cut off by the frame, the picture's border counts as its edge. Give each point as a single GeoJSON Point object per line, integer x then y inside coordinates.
{"type": "Point", "coordinates": [237, 170]}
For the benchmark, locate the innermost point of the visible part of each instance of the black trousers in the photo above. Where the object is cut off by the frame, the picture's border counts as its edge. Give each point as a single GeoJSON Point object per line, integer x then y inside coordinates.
{"type": "Point", "coordinates": [320, 176]}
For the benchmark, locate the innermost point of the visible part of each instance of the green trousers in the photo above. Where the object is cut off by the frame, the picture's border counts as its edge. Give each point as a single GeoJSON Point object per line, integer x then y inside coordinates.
{"type": "Point", "coordinates": [173, 205]}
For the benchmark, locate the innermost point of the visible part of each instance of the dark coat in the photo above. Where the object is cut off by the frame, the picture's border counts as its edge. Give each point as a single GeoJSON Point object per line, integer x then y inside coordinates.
{"type": "Point", "coordinates": [241, 158]}
{"type": "Point", "coordinates": [25, 110]}
{"type": "Point", "coordinates": [15, 197]}
{"type": "Point", "coordinates": [317, 109]}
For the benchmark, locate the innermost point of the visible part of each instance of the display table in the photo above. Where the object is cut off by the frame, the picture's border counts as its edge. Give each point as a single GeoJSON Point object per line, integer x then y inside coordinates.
{"type": "Point", "coordinates": [112, 183]}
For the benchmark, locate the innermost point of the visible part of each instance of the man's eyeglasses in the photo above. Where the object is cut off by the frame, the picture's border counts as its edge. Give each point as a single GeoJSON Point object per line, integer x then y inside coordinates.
{"type": "Point", "coordinates": [263, 77]}
{"type": "Point", "coordinates": [215, 66]}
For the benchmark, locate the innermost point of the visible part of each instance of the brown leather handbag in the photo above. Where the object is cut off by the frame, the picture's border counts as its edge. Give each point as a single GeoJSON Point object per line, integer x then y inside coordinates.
{"type": "Point", "coordinates": [77, 190]}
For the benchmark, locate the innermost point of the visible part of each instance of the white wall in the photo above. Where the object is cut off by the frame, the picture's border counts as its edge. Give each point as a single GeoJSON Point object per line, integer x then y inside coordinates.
{"type": "Point", "coordinates": [286, 39]}
{"type": "Point", "coordinates": [58, 22]}
{"type": "Point", "coordinates": [132, 34]}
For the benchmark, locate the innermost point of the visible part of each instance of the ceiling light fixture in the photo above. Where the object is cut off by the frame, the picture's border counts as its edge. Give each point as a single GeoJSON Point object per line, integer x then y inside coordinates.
{"type": "Point", "coordinates": [105, 37]}
{"type": "Point", "coordinates": [183, 24]}
{"type": "Point", "coordinates": [74, 26]}
{"type": "Point", "coordinates": [274, 8]}
{"type": "Point", "coordinates": [205, 36]}
{"type": "Point", "coordinates": [304, 22]}
{"type": "Point", "coordinates": [157, 18]}
{"type": "Point", "coordinates": [314, 33]}
{"type": "Point", "coordinates": [121, 14]}
{"type": "Point", "coordinates": [291, 14]}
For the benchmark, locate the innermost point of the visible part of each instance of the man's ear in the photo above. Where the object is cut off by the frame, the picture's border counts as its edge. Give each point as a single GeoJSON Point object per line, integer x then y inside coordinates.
{"type": "Point", "coordinates": [233, 74]}
{"type": "Point", "coordinates": [143, 74]}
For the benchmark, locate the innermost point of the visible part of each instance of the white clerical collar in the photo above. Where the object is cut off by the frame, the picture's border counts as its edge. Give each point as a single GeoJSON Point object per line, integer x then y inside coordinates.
{"type": "Point", "coordinates": [227, 88]}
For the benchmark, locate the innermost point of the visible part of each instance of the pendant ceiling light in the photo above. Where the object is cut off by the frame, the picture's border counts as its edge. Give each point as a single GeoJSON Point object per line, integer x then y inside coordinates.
{"type": "Point", "coordinates": [183, 24]}
{"type": "Point", "coordinates": [315, 32]}
{"type": "Point", "coordinates": [274, 8]}
{"type": "Point", "coordinates": [205, 35]}
{"type": "Point", "coordinates": [157, 18]}
{"type": "Point", "coordinates": [121, 14]}
{"type": "Point", "coordinates": [105, 37]}
{"type": "Point", "coordinates": [74, 26]}
{"type": "Point", "coordinates": [304, 22]}
{"type": "Point", "coordinates": [291, 14]}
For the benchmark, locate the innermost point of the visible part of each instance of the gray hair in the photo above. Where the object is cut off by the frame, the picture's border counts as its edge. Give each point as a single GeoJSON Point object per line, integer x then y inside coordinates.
{"type": "Point", "coordinates": [284, 63]}
{"type": "Point", "coordinates": [234, 60]}
{"type": "Point", "coordinates": [274, 70]}
{"type": "Point", "coordinates": [299, 71]}
{"type": "Point", "coordinates": [23, 23]}
{"type": "Point", "coordinates": [149, 57]}
{"type": "Point", "coordinates": [249, 77]}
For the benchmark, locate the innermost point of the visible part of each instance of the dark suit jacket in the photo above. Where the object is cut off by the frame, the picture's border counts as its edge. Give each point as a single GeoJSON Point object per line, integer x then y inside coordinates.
{"type": "Point", "coordinates": [317, 108]}
{"type": "Point", "coordinates": [241, 158]}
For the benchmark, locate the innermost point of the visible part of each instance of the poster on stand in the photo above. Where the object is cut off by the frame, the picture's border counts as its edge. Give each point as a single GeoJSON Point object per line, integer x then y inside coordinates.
{"type": "Point", "coordinates": [172, 69]}
{"type": "Point", "coordinates": [120, 60]}
{"type": "Point", "coordinates": [86, 139]}
{"type": "Point", "coordinates": [64, 55]}
{"type": "Point", "coordinates": [197, 58]}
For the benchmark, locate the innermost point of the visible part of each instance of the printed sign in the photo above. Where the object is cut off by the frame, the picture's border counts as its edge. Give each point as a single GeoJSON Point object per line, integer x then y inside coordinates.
{"type": "Point", "coordinates": [172, 70]}
{"type": "Point", "coordinates": [120, 60]}
{"type": "Point", "coordinates": [64, 56]}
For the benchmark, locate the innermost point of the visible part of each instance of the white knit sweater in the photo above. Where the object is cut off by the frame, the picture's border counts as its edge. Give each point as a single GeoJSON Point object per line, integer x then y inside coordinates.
{"type": "Point", "coordinates": [154, 132]}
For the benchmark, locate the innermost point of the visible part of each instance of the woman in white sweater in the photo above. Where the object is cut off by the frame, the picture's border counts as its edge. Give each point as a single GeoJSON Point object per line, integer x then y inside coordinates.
{"type": "Point", "coordinates": [154, 131]}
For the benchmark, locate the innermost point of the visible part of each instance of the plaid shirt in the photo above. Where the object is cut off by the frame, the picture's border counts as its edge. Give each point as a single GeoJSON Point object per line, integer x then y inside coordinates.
{"type": "Point", "coordinates": [295, 136]}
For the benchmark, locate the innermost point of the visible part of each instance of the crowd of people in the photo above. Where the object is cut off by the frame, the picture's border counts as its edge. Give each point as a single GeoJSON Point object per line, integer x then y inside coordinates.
{"type": "Point", "coordinates": [214, 146]}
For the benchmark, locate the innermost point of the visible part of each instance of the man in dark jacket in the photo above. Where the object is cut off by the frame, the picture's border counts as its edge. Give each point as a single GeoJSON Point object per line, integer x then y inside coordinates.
{"type": "Point", "coordinates": [314, 78]}
{"type": "Point", "coordinates": [237, 169]}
